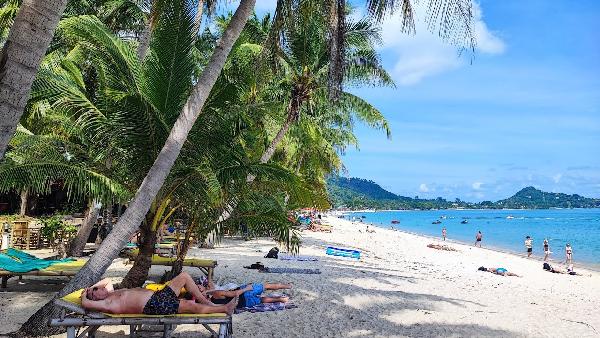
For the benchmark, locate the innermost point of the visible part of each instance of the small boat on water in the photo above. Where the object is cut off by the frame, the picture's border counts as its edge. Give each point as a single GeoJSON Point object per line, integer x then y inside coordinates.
{"type": "Point", "coordinates": [464, 221]}
{"type": "Point", "coordinates": [510, 217]}
{"type": "Point", "coordinates": [443, 217]}
{"type": "Point", "coordinates": [436, 222]}
{"type": "Point", "coordinates": [395, 222]}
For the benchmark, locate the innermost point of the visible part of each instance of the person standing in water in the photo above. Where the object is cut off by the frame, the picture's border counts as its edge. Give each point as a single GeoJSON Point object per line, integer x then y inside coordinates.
{"type": "Point", "coordinates": [569, 254]}
{"type": "Point", "coordinates": [546, 249]}
{"type": "Point", "coordinates": [478, 238]}
{"type": "Point", "coordinates": [529, 245]}
{"type": "Point", "coordinates": [444, 233]}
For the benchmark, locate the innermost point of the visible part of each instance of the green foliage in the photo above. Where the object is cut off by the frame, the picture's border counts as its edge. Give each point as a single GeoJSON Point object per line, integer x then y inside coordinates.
{"type": "Point", "coordinates": [55, 229]}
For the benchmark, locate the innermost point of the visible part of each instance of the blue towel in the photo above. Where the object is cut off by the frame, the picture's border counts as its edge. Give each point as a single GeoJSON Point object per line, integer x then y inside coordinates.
{"type": "Point", "coordinates": [18, 261]}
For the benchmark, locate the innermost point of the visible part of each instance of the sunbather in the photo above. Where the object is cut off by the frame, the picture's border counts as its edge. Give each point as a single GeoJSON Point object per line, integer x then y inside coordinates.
{"type": "Point", "coordinates": [550, 268]}
{"type": "Point", "coordinates": [249, 295]}
{"type": "Point", "coordinates": [102, 297]}
{"type": "Point", "coordinates": [498, 271]}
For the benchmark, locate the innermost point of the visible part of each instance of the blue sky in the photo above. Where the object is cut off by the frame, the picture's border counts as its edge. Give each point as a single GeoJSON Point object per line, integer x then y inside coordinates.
{"type": "Point", "coordinates": [524, 112]}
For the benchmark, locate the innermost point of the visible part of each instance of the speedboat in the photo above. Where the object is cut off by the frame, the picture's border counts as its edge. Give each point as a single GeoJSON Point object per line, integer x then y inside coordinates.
{"type": "Point", "coordinates": [436, 222]}
{"type": "Point", "coordinates": [464, 221]}
{"type": "Point", "coordinates": [510, 217]}
{"type": "Point", "coordinates": [395, 222]}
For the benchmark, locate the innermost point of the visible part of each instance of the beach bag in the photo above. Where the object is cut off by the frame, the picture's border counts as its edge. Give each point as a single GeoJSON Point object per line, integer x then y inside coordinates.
{"type": "Point", "coordinates": [273, 253]}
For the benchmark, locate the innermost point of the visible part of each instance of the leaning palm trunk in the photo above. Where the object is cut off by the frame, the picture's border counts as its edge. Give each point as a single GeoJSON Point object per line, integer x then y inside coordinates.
{"type": "Point", "coordinates": [137, 275]}
{"type": "Point", "coordinates": [91, 216]}
{"type": "Point", "coordinates": [93, 270]}
{"type": "Point", "coordinates": [198, 16]}
{"type": "Point", "coordinates": [182, 250]}
{"type": "Point", "coordinates": [20, 59]}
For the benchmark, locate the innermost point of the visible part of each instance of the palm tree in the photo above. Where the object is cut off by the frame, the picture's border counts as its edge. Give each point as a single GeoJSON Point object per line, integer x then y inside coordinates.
{"type": "Point", "coordinates": [148, 190]}
{"type": "Point", "coordinates": [29, 37]}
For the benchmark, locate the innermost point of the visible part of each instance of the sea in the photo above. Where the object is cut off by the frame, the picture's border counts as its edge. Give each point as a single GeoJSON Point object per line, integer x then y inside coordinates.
{"type": "Point", "coordinates": [504, 229]}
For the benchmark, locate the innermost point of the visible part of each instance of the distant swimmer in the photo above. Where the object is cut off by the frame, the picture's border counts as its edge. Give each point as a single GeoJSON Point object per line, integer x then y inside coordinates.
{"type": "Point", "coordinates": [546, 249]}
{"type": "Point", "coordinates": [569, 254]}
{"type": "Point", "coordinates": [529, 245]}
{"type": "Point", "coordinates": [444, 233]}
{"type": "Point", "coordinates": [478, 238]}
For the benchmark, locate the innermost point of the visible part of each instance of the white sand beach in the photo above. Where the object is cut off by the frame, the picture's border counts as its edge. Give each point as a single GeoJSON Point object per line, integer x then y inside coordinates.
{"type": "Point", "coordinates": [399, 288]}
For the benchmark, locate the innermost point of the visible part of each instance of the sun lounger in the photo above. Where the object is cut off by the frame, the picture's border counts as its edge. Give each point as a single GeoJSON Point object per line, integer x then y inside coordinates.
{"type": "Point", "coordinates": [74, 317]}
{"type": "Point", "coordinates": [207, 266]}
{"type": "Point", "coordinates": [15, 263]}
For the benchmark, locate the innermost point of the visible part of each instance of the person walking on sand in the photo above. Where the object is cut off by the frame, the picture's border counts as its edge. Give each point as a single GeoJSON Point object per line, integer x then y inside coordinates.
{"type": "Point", "coordinates": [569, 254]}
{"type": "Point", "coordinates": [478, 238]}
{"type": "Point", "coordinates": [546, 249]}
{"type": "Point", "coordinates": [529, 246]}
{"type": "Point", "coordinates": [444, 233]}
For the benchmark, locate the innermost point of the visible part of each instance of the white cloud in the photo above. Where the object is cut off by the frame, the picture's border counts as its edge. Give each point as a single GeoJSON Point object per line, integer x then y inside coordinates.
{"type": "Point", "coordinates": [423, 188]}
{"type": "Point", "coordinates": [556, 178]}
{"type": "Point", "coordinates": [425, 54]}
{"type": "Point", "coordinates": [487, 42]}
{"type": "Point", "coordinates": [476, 185]}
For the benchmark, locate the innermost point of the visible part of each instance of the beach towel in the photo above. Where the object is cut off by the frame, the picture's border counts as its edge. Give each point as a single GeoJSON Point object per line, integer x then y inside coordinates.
{"type": "Point", "coordinates": [18, 261]}
{"type": "Point", "coordinates": [266, 307]}
{"type": "Point", "coordinates": [285, 257]}
{"type": "Point", "coordinates": [342, 252]}
{"type": "Point", "coordinates": [291, 270]}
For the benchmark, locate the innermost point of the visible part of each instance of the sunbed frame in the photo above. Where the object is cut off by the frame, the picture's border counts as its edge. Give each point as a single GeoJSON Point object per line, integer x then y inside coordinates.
{"type": "Point", "coordinates": [6, 275]}
{"type": "Point", "coordinates": [74, 318]}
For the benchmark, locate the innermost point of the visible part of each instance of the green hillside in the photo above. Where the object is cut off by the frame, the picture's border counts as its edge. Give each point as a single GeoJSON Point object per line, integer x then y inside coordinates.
{"type": "Point", "coordinates": [358, 193]}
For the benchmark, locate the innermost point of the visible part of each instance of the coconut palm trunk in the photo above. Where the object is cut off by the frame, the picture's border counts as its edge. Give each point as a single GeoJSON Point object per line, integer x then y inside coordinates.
{"type": "Point", "coordinates": [24, 198]}
{"type": "Point", "coordinates": [198, 16]}
{"type": "Point", "coordinates": [93, 270]}
{"type": "Point", "coordinates": [29, 37]}
{"type": "Point", "coordinates": [137, 275]}
{"type": "Point", "coordinates": [91, 216]}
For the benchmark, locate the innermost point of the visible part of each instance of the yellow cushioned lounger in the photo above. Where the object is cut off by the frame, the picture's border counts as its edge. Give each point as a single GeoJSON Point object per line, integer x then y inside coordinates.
{"type": "Point", "coordinates": [74, 316]}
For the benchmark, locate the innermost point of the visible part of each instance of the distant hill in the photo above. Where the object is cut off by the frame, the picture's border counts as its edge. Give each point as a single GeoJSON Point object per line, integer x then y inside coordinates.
{"type": "Point", "coordinates": [532, 198]}
{"type": "Point", "coordinates": [358, 193]}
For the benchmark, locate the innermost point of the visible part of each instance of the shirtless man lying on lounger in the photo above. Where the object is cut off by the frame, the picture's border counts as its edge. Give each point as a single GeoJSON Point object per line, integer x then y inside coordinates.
{"type": "Point", "coordinates": [102, 297]}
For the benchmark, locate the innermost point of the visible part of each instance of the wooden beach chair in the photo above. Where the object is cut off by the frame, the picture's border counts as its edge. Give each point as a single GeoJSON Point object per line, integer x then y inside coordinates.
{"type": "Point", "coordinates": [206, 266]}
{"type": "Point", "coordinates": [74, 318]}
{"type": "Point", "coordinates": [65, 269]}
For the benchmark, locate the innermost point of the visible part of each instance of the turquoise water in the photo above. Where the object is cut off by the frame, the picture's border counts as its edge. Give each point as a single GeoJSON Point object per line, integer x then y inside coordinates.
{"type": "Point", "coordinates": [579, 227]}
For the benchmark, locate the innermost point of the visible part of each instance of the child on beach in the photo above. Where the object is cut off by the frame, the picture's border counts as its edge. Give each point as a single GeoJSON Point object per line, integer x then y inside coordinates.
{"type": "Point", "coordinates": [478, 238]}
{"type": "Point", "coordinates": [546, 249]}
{"type": "Point", "coordinates": [529, 245]}
{"type": "Point", "coordinates": [444, 233]}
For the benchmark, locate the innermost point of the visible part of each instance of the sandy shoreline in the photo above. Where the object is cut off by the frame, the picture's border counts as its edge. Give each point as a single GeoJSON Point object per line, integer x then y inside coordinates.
{"type": "Point", "coordinates": [398, 288]}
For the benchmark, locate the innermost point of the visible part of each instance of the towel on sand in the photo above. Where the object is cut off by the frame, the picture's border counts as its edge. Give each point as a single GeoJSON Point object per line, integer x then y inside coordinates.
{"type": "Point", "coordinates": [290, 270]}
{"type": "Point", "coordinates": [266, 307]}
{"type": "Point", "coordinates": [285, 257]}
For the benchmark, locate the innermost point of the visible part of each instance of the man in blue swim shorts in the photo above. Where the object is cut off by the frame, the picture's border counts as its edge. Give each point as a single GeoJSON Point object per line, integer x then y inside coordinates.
{"type": "Point", "coordinates": [250, 294]}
